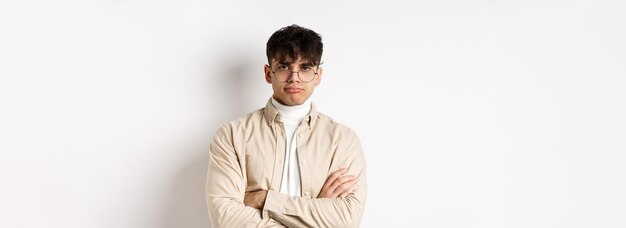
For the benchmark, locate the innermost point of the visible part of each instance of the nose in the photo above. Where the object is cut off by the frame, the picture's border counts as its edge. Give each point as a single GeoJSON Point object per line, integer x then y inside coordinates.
{"type": "Point", "coordinates": [293, 78]}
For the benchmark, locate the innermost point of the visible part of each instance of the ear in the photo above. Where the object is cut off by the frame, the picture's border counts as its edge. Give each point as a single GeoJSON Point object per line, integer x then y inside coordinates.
{"type": "Point", "coordinates": [268, 71]}
{"type": "Point", "coordinates": [319, 76]}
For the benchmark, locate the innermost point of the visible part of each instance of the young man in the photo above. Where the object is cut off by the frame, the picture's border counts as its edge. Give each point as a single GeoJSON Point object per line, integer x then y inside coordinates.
{"type": "Point", "coordinates": [287, 164]}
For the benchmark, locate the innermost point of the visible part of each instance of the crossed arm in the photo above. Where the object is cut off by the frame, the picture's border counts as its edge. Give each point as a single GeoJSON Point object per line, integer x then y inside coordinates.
{"type": "Point", "coordinates": [337, 185]}
{"type": "Point", "coordinates": [339, 204]}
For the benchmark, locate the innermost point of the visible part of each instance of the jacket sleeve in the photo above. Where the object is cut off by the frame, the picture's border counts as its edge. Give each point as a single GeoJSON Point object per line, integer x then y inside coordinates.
{"type": "Point", "coordinates": [225, 187]}
{"type": "Point", "coordinates": [325, 212]}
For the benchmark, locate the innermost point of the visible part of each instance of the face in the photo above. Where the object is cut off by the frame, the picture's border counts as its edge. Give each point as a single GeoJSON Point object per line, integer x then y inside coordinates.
{"type": "Point", "coordinates": [293, 91]}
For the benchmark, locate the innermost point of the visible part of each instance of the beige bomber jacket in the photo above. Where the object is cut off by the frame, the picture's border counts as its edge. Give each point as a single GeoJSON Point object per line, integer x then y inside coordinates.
{"type": "Point", "coordinates": [248, 154]}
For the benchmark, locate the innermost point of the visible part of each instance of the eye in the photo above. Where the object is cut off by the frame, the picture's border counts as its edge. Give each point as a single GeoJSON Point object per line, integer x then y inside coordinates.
{"type": "Point", "coordinates": [306, 68]}
{"type": "Point", "coordinates": [282, 67]}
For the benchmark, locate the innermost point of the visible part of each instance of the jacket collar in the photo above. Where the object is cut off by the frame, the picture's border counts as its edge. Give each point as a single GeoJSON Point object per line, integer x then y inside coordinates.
{"type": "Point", "coordinates": [272, 115]}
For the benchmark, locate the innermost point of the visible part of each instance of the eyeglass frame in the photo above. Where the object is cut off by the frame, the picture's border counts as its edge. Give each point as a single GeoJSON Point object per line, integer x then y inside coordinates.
{"type": "Point", "coordinates": [317, 67]}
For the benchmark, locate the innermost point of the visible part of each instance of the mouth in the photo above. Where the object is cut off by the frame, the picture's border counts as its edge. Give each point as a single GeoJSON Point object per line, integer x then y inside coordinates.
{"type": "Point", "coordinates": [293, 90]}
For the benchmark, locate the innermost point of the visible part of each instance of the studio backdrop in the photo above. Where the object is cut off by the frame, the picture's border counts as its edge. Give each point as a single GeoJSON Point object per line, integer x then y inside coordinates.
{"type": "Point", "coordinates": [486, 113]}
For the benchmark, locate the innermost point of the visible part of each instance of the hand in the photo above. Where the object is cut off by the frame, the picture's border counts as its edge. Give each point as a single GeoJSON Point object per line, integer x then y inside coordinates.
{"type": "Point", "coordinates": [255, 199]}
{"type": "Point", "coordinates": [338, 185]}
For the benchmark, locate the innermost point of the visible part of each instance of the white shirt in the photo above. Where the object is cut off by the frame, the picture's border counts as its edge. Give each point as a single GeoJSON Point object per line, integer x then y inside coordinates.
{"type": "Point", "coordinates": [291, 116]}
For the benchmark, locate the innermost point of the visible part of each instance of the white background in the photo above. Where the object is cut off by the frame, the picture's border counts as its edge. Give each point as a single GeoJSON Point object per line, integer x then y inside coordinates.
{"type": "Point", "coordinates": [480, 113]}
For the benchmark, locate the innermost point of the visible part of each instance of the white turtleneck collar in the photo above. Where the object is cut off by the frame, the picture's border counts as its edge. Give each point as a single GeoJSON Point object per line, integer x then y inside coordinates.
{"type": "Point", "coordinates": [293, 113]}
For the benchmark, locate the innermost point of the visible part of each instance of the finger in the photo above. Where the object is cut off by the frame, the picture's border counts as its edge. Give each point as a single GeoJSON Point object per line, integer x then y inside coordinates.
{"type": "Point", "coordinates": [347, 192]}
{"type": "Point", "coordinates": [333, 176]}
{"type": "Point", "coordinates": [339, 181]}
{"type": "Point", "coordinates": [345, 187]}
{"type": "Point", "coordinates": [326, 191]}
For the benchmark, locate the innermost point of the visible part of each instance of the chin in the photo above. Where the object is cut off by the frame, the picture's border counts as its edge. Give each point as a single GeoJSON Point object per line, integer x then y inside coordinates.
{"type": "Point", "coordinates": [294, 103]}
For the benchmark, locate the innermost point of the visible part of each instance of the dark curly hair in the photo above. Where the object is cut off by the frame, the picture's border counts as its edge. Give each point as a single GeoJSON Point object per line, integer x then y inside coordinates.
{"type": "Point", "coordinates": [291, 42]}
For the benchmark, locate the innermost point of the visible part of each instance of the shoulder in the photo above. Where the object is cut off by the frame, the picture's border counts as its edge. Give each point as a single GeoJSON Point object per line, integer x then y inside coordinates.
{"type": "Point", "coordinates": [248, 121]}
{"type": "Point", "coordinates": [338, 129]}
{"type": "Point", "coordinates": [342, 139]}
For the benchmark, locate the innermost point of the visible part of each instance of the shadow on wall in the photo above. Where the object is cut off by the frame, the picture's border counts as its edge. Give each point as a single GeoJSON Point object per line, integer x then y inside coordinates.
{"type": "Point", "coordinates": [229, 89]}
{"type": "Point", "coordinates": [187, 206]}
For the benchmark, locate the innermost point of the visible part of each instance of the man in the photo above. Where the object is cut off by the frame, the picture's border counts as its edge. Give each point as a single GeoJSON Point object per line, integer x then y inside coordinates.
{"type": "Point", "coordinates": [287, 165]}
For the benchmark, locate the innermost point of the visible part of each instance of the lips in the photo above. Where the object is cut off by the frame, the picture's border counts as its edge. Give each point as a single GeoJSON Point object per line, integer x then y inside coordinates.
{"type": "Point", "coordinates": [293, 90]}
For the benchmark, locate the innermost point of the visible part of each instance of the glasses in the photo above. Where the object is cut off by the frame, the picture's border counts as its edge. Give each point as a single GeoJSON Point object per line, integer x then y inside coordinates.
{"type": "Point", "coordinates": [305, 74]}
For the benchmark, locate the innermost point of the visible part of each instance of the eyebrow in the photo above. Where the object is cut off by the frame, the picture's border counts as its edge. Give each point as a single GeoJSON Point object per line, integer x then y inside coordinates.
{"type": "Point", "coordinates": [301, 64]}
